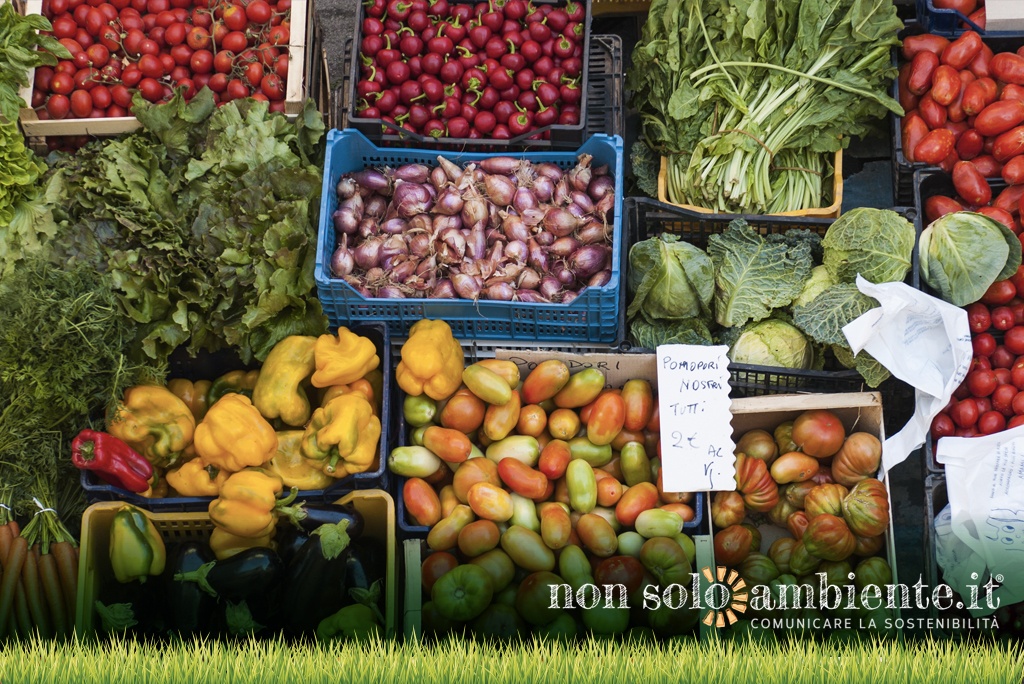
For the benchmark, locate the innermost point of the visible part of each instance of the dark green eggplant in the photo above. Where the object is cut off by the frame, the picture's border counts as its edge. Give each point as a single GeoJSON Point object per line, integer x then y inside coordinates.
{"type": "Point", "coordinates": [189, 608]}
{"type": "Point", "coordinates": [248, 574]}
{"type": "Point", "coordinates": [315, 517]}
{"type": "Point", "coordinates": [315, 584]}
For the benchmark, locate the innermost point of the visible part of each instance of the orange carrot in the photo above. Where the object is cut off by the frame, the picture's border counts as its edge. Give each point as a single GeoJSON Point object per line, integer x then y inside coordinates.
{"type": "Point", "coordinates": [12, 573]}
{"type": "Point", "coordinates": [49, 581]}
{"type": "Point", "coordinates": [21, 614]}
{"type": "Point", "coordinates": [67, 567]}
{"type": "Point", "coordinates": [34, 595]}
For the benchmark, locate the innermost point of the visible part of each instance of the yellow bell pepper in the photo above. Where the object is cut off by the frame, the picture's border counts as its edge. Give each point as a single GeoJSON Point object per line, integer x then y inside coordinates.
{"type": "Point", "coordinates": [193, 394]}
{"type": "Point", "coordinates": [279, 392]}
{"type": "Point", "coordinates": [247, 505]}
{"type": "Point", "coordinates": [225, 545]}
{"type": "Point", "coordinates": [343, 358]}
{"type": "Point", "coordinates": [432, 361]}
{"type": "Point", "coordinates": [234, 435]}
{"type": "Point", "coordinates": [192, 478]}
{"type": "Point", "coordinates": [154, 422]}
{"type": "Point", "coordinates": [343, 436]}
{"type": "Point", "coordinates": [291, 465]}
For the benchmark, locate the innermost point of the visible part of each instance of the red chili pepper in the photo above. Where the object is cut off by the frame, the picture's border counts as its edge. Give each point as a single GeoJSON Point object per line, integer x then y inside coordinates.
{"type": "Point", "coordinates": [112, 460]}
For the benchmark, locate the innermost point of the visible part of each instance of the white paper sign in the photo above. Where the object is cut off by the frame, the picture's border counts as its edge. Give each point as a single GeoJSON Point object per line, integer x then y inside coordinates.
{"type": "Point", "coordinates": [985, 483]}
{"type": "Point", "coordinates": [923, 341]}
{"type": "Point", "coordinates": [696, 431]}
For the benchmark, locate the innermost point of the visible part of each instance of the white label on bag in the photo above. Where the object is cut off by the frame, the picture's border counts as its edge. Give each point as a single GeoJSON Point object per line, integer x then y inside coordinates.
{"type": "Point", "coordinates": [696, 431]}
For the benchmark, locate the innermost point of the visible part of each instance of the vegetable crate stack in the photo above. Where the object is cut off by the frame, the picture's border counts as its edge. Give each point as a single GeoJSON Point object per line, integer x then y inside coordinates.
{"type": "Point", "coordinates": [952, 18]}
{"type": "Point", "coordinates": [312, 417]}
{"type": "Point", "coordinates": [412, 234]}
{"type": "Point", "coordinates": [971, 256]}
{"type": "Point", "coordinates": [963, 100]}
{"type": "Point", "coordinates": [108, 60]}
{"type": "Point", "coordinates": [516, 466]}
{"type": "Point", "coordinates": [808, 502]}
{"type": "Point", "coordinates": [329, 573]}
{"type": "Point", "coordinates": [749, 114]}
{"type": "Point", "coordinates": [776, 290]}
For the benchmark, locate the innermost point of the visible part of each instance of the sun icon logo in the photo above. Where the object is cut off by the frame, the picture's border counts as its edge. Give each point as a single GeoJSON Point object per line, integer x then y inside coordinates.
{"type": "Point", "coordinates": [726, 596]}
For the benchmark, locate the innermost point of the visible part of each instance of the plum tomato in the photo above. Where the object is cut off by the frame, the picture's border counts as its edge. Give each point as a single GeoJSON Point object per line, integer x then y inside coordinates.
{"type": "Point", "coordinates": [1002, 399]}
{"type": "Point", "coordinates": [1013, 340]}
{"type": "Point", "coordinates": [978, 317]}
{"type": "Point", "coordinates": [942, 426]}
{"type": "Point", "coordinates": [981, 382]}
{"type": "Point", "coordinates": [991, 422]}
{"type": "Point", "coordinates": [1002, 318]}
{"type": "Point", "coordinates": [999, 293]}
{"type": "Point", "coordinates": [984, 344]}
{"type": "Point", "coordinates": [965, 413]}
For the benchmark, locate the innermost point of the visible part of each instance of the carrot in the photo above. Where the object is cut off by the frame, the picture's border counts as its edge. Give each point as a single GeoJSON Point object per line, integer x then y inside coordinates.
{"type": "Point", "coordinates": [15, 528]}
{"type": "Point", "coordinates": [21, 613]}
{"type": "Point", "coordinates": [67, 567]}
{"type": "Point", "coordinates": [50, 583]}
{"type": "Point", "coordinates": [12, 572]}
{"type": "Point", "coordinates": [34, 595]}
{"type": "Point", "coordinates": [5, 542]}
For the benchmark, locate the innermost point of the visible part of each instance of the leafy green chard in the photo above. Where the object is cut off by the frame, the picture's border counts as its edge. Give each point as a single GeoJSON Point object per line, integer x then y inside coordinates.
{"type": "Point", "coordinates": [205, 222]}
{"type": "Point", "coordinates": [751, 99]}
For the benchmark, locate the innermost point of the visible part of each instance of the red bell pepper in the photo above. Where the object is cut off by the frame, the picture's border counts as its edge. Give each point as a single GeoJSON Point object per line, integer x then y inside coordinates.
{"type": "Point", "coordinates": [112, 460]}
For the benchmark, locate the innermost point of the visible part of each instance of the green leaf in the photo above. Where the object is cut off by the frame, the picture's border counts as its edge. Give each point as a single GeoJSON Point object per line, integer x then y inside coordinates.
{"type": "Point", "coordinates": [333, 539]}
{"type": "Point", "coordinates": [651, 334]}
{"type": "Point", "coordinates": [824, 317]}
{"type": "Point", "coordinates": [239, 619]}
{"type": "Point", "coordinates": [117, 617]}
{"type": "Point", "coordinates": [754, 276]}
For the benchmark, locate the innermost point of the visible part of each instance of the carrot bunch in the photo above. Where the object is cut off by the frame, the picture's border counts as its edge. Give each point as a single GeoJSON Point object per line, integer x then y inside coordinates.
{"type": "Point", "coordinates": [39, 580]}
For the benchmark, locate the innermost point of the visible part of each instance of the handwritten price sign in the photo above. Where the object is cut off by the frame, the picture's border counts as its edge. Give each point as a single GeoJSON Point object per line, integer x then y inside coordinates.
{"type": "Point", "coordinates": [696, 431]}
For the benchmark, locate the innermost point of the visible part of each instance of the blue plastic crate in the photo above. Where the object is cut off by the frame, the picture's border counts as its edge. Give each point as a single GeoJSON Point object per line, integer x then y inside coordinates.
{"type": "Point", "coordinates": [950, 23]}
{"type": "Point", "coordinates": [592, 317]}
{"type": "Point", "coordinates": [375, 478]}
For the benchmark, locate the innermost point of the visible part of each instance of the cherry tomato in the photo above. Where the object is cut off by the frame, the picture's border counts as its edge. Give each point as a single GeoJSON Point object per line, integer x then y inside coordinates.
{"type": "Point", "coordinates": [981, 382]}
{"type": "Point", "coordinates": [237, 90]}
{"type": "Point", "coordinates": [224, 61]}
{"type": "Point", "coordinates": [1002, 399]}
{"type": "Point", "coordinates": [234, 42]}
{"type": "Point", "coordinates": [1013, 340]}
{"type": "Point", "coordinates": [999, 293]}
{"type": "Point", "coordinates": [991, 422]}
{"type": "Point", "coordinates": [965, 413]}
{"type": "Point", "coordinates": [234, 18]}
{"type": "Point", "coordinates": [978, 317]}
{"type": "Point", "coordinates": [1002, 357]}
{"type": "Point", "coordinates": [198, 38]}
{"type": "Point", "coordinates": [218, 82]}
{"type": "Point", "coordinates": [1018, 404]}
{"type": "Point", "coordinates": [1003, 376]}
{"type": "Point", "coordinates": [258, 12]}
{"type": "Point", "coordinates": [272, 87]}
{"type": "Point", "coordinates": [984, 344]}
{"type": "Point", "coordinates": [151, 89]}
{"type": "Point", "coordinates": [279, 35]}
{"type": "Point", "coordinates": [942, 426]}
{"type": "Point", "coordinates": [254, 74]}
{"type": "Point", "coordinates": [101, 98]}
{"type": "Point", "coordinates": [121, 95]}
{"type": "Point", "coordinates": [201, 61]}
{"type": "Point", "coordinates": [58, 106]}
{"type": "Point", "coordinates": [62, 84]}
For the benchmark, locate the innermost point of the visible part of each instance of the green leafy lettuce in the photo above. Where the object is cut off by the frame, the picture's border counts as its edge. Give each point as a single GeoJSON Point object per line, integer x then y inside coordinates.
{"type": "Point", "coordinates": [754, 276]}
{"type": "Point", "coordinates": [877, 244]}
{"type": "Point", "coordinates": [205, 222]}
{"type": "Point", "coordinates": [25, 220]}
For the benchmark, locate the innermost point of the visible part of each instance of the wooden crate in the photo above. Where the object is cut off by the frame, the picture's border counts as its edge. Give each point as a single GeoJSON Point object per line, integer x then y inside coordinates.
{"type": "Point", "coordinates": [295, 88]}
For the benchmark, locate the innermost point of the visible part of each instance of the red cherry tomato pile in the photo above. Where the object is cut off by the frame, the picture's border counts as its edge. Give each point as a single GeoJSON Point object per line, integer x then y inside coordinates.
{"type": "Point", "coordinates": [991, 398]}
{"type": "Point", "coordinates": [238, 49]}
{"type": "Point", "coordinates": [963, 104]}
{"type": "Point", "coordinates": [471, 71]}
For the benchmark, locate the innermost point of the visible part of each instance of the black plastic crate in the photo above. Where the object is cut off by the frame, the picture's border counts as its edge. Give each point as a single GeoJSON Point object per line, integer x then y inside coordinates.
{"type": "Point", "coordinates": [646, 218]}
{"type": "Point", "coordinates": [561, 136]}
{"type": "Point", "coordinates": [208, 366]}
{"type": "Point", "coordinates": [603, 112]}
{"type": "Point", "coordinates": [903, 170]}
{"type": "Point", "coordinates": [951, 23]}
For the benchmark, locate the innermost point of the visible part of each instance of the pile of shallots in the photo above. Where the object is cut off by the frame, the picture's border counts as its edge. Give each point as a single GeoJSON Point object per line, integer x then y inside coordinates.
{"type": "Point", "coordinates": [502, 229]}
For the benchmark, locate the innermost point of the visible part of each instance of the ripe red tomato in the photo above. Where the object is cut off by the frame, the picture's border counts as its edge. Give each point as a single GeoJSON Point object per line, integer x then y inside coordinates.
{"type": "Point", "coordinates": [965, 413]}
{"type": "Point", "coordinates": [198, 38]}
{"type": "Point", "coordinates": [1003, 376]}
{"type": "Point", "coordinates": [279, 35]}
{"type": "Point", "coordinates": [942, 426]}
{"type": "Point", "coordinates": [182, 54]}
{"type": "Point", "coordinates": [999, 293]}
{"type": "Point", "coordinates": [234, 18]}
{"type": "Point", "coordinates": [258, 12]}
{"type": "Point", "coordinates": [1013, 340]}
{"type": "Point", "coordinates": [175, 34]}
{"type": "Point", "coordinates": [58, 106]}
{"type": "Point", "coordinates": [1016, 421]}
{"type": "Point", "coordinates": [981, 382]}
{"type": "Point", "coordinates": [1018, 403]}
{"type": "Point", "coordinates": [218, 82]}
{"type": "Point", "coordinates": [1002, 399]}
{"type": "Point", "coordinates": [1002, 318]}
{"type": "Point", "coordinates": [81, 104]}
{"type": "Point", "coordinates": [224, 62]}
{"type": "Point", "coordinates": [1018, 280]}
{"type": "Point", "coordinates": [151, 67]}
{"type": "Point", "coordinates": [101, 98]}
{"type": "Point", "coordinates": [98, 55]}
{"type": "Point", "coordinates": [991, 422]}
{"type": "Point", "coordinates": [984, 344]}
{"type": "Point", "coordinates": [272, 87]}
{"type": "Point", "coordinates": [983, 403]}
{"type": "Point", "coordinates": [281, 66]}
{"type": "Point", "coordinates": [62, 84]}
{"type": "Point", "coordinates": [978, 317]}
{"type": "Point", "coordinates": [254, 74]}
{"type": "Point", "coordinates": [236, 90]}
{"type": "Point", "coordinates": [1002, 357]}
{"type": "Point", "coordinates": [121, 95]}
{"type": "Point", "coordinates": [201, 62]}
{"type": "Point", "coordinates": [151, 89]}
{"type": "Point", "coordinates": [149, 47]}
{"type": "Point", "coordinates": [234, 42]}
